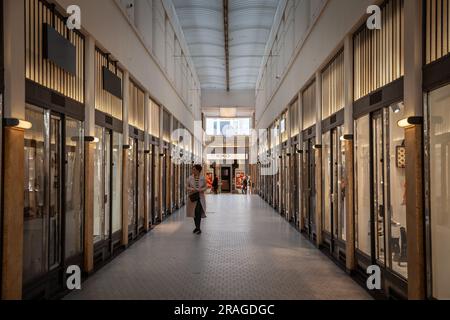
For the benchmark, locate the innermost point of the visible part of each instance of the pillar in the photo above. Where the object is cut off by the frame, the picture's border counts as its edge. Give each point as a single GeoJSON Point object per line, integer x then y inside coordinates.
{"type": "Point", "coordinates": [13, 144]}
{"type": "Point", "coordinates": [413, 97]}
{"type": "Point", "coordinates": [89, 156]}
{"type": "Point", "coordinates": [318, 156]}
{"type": "Point", "coordinates": [126, 136]}
{"type": "Point", "coordinates": [349, 155]}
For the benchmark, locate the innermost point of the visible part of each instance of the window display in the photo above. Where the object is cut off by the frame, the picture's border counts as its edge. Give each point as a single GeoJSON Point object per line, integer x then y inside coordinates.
{"type": "Point", "coordinates": [117, 182]}
{"type": "Point", "coordinates": [362, 181]}
{"type": "Point", "coordinates": [439, 190]}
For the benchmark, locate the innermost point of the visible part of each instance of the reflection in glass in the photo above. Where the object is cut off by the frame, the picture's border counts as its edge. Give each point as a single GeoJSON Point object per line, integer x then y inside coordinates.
{"type": "Point", "coordinates": [117, 182]}
{"type": "Point", "coordinates": [74, 187]}
{"type": "Point", "coordinates": [132, 192]}
{"type": "Point", "coordinates": [35, 209]}
{"type": "Point", "coordinates": [379, 207]}
{"type": "Point", "coordinates": [362, 180]}
{"type": "Point", "coordinates": [141, 183]}
{"type": "Point", "coordinates": [55, 193]}
{"type": "Point", "coordinates": [99, 198]}
{"type": "Point", "coordinates": [398, 259]}
{"type": "Point", "coordinates": [326, 167]}
{"type": "Point", "coordinates": [439, 197]}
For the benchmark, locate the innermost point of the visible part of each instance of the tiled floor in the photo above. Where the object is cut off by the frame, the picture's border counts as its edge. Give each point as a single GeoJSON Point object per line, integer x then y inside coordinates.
{"type": "Point", "coordinates": [246, 251]}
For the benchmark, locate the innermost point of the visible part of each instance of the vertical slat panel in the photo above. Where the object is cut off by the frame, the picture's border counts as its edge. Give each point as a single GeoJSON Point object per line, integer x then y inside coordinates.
{"type": "Point", "coordinates": [332, 86]}
{"type": "Point", "coordinates": [437, 29]}
{"type": "Point", "coordinates": [379, 53]}
{"type": "Point", "coordinates": [43, 71]}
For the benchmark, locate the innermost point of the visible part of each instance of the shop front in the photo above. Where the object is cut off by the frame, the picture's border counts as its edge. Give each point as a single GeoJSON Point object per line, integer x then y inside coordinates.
{"type": "Point", "coordinates": [380, 153]}
{"type": "Point", "coordinates": [54, 151]}
{"type": "Point", "coordinates": [436, 84]}
{"type": "Point", "coordinates": [333, 157]}
{"type": "Point", "coordinates": [309, 192]}
{"type": "Point", "coordinates": [136, 163]}
{"type": "Point", "coordinates": [107, 159]}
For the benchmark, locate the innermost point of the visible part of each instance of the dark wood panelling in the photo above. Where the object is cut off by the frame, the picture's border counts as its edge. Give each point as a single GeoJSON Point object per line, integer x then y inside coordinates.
{"type": "Point", "coordinates": [106, 121]}
{"type": "Point", "coordinates": [333, 121]}
{"type": "Point", "coordinates": [45, 98]}
{"type": "Point", "coordinates": [381, 98]}
{"type": "Point", "coordinates": [309, 133]}
{"type": "Point", "coordinates": [436, 74]}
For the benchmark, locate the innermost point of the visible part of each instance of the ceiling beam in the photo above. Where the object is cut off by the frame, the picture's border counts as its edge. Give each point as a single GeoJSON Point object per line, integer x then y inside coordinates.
{"type": "Point", "coordinates": [227, 51]}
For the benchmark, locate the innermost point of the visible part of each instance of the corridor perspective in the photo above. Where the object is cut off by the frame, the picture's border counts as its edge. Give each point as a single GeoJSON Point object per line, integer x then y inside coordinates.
{"type": "Point", "coordinates": [238, 150]}
{"type": "Point", "coordinates": [245, 253]}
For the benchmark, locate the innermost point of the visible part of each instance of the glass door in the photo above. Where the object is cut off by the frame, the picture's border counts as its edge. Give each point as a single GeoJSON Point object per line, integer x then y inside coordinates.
{"type": "Point", "coordinates": [309, 190]}
{"type": "Point", "coordinates": [141, 186]}
{"type": "Point", "coordinates": [132, 189]}
{"type": "Point", "coordinates": [53, 196]}
{"type": "Point", "coordinates": [74, 178]}
{"type": "Point", "coordinates": [380, 189]}
{"type": "Point", "coordinates": [378, 140]}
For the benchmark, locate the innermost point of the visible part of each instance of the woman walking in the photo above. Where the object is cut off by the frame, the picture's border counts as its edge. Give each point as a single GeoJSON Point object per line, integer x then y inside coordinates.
{"type": "Point", "coordinates": [196, 205]}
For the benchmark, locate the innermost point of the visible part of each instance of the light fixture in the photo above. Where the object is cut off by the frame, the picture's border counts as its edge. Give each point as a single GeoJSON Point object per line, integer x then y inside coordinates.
{"type": "Point", "coordinates": [91, 139]}
{"type": "Point", "coordinates": [317, 147]}
{"type": "Point", "coordinates": [396, 108]}
{"type": "Point", "coordinates": [17, 123]}
{"type": "Point", "coordinates": [410, 122]}
{"type": "Point", "coordinates": [299, 151]}
{"type": "Point", "coordinates": [347, 137]}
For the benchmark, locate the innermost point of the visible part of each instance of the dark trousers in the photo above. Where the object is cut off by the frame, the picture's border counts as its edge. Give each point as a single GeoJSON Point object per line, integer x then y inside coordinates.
{"type": "Point", "coordinates": [198, 215]}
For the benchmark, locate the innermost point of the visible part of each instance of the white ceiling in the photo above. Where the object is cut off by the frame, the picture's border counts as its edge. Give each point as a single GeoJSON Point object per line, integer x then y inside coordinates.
{"type": "Point", "coordinates": [250, 22]}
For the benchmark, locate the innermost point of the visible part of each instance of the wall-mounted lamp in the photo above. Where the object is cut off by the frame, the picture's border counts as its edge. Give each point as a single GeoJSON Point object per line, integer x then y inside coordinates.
{"type": "Point", "coordinates": [410, 122]}
{"type": "Point", "coordinates": [126, 147]}
{"type": "Point", "coordinates": [162, 155]}
{"type": "Point", "coordinates": [396, 108]}
{"type": "Point", "coordinates": [317, 147]}
{"type": "Point", "coordinates": [91, 139]}
{"type": "Point", "coordinates": [347, 137]}
{"type": "Point", "coordinates": [17, 123]}
{"type": "Point", "coordinates": [299, 151]}
{"type": "Point", "coordinates": [147, 151]}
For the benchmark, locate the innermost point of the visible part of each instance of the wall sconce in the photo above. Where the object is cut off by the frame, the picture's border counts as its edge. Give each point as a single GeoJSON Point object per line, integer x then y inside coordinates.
{"type": "Point", "coordinates": [162, 155]}
{"type": "Point", "coordinates": [410, 122]}
{"type": "Point", "coordinates": [126, 147]}
{"type": "Point", "coordinates": [299, 151]}
{"type": "Point", "coordinates": [91, 139]}
{"type": "Point", "coordinates": [17, 123]}
{"type": "Point", "coordinates": [347, 137]}
{"type": "Point", "coordinates": [317, 147]}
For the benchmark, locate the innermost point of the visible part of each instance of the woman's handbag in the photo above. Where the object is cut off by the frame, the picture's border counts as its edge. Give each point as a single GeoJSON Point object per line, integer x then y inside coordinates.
{"type": "Point", "coordinates": [195, 197]}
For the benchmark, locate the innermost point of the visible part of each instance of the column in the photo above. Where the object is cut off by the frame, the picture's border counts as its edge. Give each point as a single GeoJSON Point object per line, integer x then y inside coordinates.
{"type": "Point", "coordinates": [318, 154]}
{"type": "Point", "coordinates": [126, 136]}
{"type": "Point", "coordinates": [13, 142]}
{"type": "Point", "coordinates": [348, 144]}
{"type": "Point", "coordinates": [413, 97]}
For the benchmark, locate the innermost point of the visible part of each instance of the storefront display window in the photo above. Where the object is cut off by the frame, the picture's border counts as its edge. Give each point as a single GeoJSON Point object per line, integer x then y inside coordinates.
{"type": "Point", "coordinates": [439, 189]}
{"type": "Point", "coordinates": [117, 182]}
{"type": "Point", "coordinates": [362, 181]}
{"type": "Point", "coordinates": [326, 174]}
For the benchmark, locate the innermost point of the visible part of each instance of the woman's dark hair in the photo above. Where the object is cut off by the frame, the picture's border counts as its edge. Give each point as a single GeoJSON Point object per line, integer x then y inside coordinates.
{"type": "Point", "coordinates": [199, 168]}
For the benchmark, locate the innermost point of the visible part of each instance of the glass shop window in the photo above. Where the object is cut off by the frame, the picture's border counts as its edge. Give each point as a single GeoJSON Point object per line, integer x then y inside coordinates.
{"type": "Point", "coordinates": [363, 182]}
{"type": "Point", "coordinates": [439, 189]}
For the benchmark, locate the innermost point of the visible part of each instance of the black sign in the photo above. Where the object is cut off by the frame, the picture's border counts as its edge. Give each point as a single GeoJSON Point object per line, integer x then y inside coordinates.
{"type": "Point", "coordinates": [112, 83]}
{"type": "Point", "coordinates": [59, 50]}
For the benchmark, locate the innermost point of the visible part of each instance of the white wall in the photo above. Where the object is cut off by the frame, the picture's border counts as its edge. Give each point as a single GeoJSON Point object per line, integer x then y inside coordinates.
{"type": "Point", "coordinates": [131, 38]}
{"type": "Point", "coordinates": [320, 29]}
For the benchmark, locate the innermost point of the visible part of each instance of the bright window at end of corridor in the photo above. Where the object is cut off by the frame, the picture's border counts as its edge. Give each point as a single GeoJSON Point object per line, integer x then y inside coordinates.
{"type": "Point", "coordinates": [228, 127]}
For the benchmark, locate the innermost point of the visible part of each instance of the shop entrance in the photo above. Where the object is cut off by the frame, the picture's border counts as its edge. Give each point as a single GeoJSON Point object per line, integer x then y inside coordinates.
{"type": "Point", "coordinates": [53, 200]}
{"type": "Point", "coordinates": [334, 218]}
{"type": "Point", "coordinates": [309, 191]}
{"type": "Point", "coordinates": [225, 176]}
{"type": "Point", "coordinates": [136, 187]}
{"type": "Point", "coordinates": [294, 189]}
{"type": "Point", "coordinates": [380, 192]}
{"type": "Point", "coordinates": [107, 193]}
